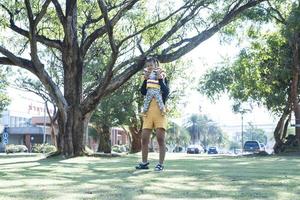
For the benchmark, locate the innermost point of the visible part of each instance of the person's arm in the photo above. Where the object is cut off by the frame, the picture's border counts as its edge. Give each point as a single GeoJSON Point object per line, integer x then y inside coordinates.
{"type": "Point", "coordinates": [143, 88]}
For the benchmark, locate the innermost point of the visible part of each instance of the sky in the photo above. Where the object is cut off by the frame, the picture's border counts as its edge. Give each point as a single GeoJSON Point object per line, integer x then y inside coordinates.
{"type": "Point", "coordinates": [206, 56]}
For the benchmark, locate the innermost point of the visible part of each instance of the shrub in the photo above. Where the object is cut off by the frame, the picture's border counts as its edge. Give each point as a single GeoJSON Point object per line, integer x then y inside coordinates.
{"type": "Point", "coordinates": [120, 148]}
{"type": "Point", "coordinates": [41, 148]}
{"type": "Point", "coordinates": [11, 148]}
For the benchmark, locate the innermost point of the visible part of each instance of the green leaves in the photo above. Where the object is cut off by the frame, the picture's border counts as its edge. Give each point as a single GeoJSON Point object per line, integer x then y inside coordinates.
{"type": "Point", "coordinates": [261, 73]}
{"type": "Point", "coordinates": [4, 99]}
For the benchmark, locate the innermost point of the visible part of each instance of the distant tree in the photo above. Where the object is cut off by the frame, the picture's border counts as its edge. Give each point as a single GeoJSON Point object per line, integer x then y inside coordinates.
{"type": "Point", "coordinates": [177, 135]}
{"type": "Point", "coordinates": [254, 133]}
{"type": "Point", "coordinates": [234, 145]}
{"type": "Point", "coordinates": [4, 99]}
{"type": "Point", "coordinates": [117, 109]}
{"type": "Point", "coordinates": [204, 131]}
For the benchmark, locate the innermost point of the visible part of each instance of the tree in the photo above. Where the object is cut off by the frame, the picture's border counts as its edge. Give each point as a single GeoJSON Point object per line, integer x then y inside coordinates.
{"type": "Point", "coordinates": [116, 109]}
{"type": "Point", "coordinates": [204, 131]}
{"type": "Point", "coordinates": [4, 99]}
{"type": "Point", "coordinates": [77, 32]}
{"type": "Point", "coordinates": [254, 133]}
{"type": "Point", "coordinates": [193, 126]}
{"type": "Point", "coordinates": [177, 135]}
{"type": "Point", "coordinates": [267, 71]}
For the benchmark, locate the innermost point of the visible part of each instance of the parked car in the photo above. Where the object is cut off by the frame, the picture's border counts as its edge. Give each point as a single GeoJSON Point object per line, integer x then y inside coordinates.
{"type": "Point", "coordinates": [195, 149]}
{"type": "Point", "coordinates": [178, 149]}
{"type": "Point", "coordinates": [212, 150]}
{"type": "Point", "coordinates": [252, 146]}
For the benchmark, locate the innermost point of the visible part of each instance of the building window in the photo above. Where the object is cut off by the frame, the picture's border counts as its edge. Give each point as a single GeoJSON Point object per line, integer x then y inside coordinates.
{"type": "Point", "coordinates": [12, 122]}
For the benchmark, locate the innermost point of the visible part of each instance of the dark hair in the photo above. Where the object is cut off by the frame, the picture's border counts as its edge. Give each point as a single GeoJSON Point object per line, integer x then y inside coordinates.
{"type": "Point", "coordinates": [152, 59]}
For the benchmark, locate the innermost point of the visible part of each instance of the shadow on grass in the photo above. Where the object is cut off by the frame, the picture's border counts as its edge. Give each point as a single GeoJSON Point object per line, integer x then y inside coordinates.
{"type": "Point", "coordinates": [189, 177]}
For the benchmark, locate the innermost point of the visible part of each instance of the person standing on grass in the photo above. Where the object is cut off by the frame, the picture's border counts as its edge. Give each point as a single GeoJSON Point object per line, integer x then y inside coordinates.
{"type": "Point", "coordinates": [154, 119]}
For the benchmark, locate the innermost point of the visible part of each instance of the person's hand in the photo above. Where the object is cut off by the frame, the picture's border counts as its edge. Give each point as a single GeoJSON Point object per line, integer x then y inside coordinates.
{"type": "Point", "coordinates": [161, 74]}
{"type": "Point", "coordinates": [146, 75]}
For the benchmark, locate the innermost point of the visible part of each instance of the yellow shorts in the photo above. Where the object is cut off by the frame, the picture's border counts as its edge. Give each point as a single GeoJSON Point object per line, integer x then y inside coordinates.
{"type": "Point", "coordinates": [154, 119]}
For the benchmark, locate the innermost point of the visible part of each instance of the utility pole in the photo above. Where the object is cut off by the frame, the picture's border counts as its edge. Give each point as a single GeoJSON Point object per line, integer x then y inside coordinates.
{"type": "Point", "coordinates": [44, 132]}
{"type": "Point", "coordinates": [242, 114]}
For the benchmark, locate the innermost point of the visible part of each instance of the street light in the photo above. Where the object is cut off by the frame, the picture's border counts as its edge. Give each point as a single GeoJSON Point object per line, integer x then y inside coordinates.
{"type": "Point", "coordinates": [242, 111]}
{"type": "Point", "coordinates": [238, 108]}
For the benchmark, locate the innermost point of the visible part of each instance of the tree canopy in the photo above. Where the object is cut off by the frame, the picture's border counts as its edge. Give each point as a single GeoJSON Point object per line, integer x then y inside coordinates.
{"type": "Point", "coordinates": [119, 33]}
{"type": "Point", "coordinates": [267, 71]}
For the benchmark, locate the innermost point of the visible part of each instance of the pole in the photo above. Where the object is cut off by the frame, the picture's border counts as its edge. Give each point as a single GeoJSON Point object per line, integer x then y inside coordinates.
{"type": "Point", "coordinates": [242, 133]}
{"type": "Point", "coordinates": [44, 131]}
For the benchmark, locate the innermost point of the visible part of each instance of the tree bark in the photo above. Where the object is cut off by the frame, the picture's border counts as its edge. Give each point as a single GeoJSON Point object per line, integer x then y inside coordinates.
{"type": "Point", "coordinates": [294, 43]}
{"type": "Point", "coordinates": [105, 142]}
{"type": "Point", "coordinates": [136, 135]}
{"type": "Point", "coordinates": [278, 132]}
{"type": "Point", "coordinates": [53, 136]}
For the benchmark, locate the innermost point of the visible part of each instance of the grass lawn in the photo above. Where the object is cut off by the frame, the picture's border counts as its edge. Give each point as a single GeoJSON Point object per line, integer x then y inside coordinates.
{"type": "Point", "coordinates": [185, 177]}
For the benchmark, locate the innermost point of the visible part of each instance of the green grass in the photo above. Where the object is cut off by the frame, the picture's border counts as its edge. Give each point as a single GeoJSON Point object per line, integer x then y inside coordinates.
{"type": "Point", "coordinates": [185, 177]}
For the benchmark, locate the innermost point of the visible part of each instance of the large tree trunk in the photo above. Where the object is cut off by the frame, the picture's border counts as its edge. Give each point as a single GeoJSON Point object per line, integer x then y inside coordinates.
{"type": "Point", "coordinates": [295, 80]}
{"type": "Point", "coordinates": [105, 142]}
{"type": "Point", "coordinates": [73, 66]}
{"type": "Point", "coordinates": [278, 132]}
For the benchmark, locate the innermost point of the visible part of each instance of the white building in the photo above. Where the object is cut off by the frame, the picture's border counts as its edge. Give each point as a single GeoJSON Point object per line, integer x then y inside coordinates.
{"type": "Point", "coordinates": [25, 118]}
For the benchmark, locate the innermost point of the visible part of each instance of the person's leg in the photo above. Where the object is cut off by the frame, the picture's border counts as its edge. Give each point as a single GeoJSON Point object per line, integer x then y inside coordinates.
{"type": "Point", "coordinates": [147, 101]}
{"type": "Point", "coordinates": [159, 100]}
{"type": "Point", "coordinates": [160, 135]}
{"type": "Point", "coordinates": [145, 141]}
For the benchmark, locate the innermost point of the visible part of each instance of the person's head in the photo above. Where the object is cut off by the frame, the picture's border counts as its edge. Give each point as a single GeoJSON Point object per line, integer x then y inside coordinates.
{"type": "Point", "coordinates": [151, 63]}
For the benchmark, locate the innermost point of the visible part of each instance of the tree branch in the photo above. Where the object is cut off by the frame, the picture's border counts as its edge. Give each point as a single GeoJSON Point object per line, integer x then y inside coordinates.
{"type": "Point", "coordinates": [102, 30]}
{"type": "Point", "coordinates": [41, 14]}
{"type": "Point", "coordinates": [281, 19]}
{"type": "Point", "coordinates": [154, 24]}
{"type": "Point", "coordinates": [91, 101]}
{"type": "Point", "coordinates": [204, 35]}
{"type": "Point", "coordinates": [178, 25]}
{"type": "Point", "coordinates": [59, 12]}
{"type": "Point", "coordinates": [90, 20]}
{"type": "Point", "coordinates": [114, 48]}
{"type": "Point", "coordinates": [40, 38]}
{"type": "Point", "coordinates": [32, 34]}
{"type": "Point", "coordinates": [11, 59]}
{"type": "Point", "coordinates": [108, 25]}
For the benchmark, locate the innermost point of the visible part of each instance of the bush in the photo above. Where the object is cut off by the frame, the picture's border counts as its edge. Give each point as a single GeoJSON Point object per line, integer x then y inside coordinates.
{"type": "Point", "coordinates": [11, 148]}
{"type": "Point", "coordinates": [41, 148]}
{"type": "Point", "coordinates": [120, 148]}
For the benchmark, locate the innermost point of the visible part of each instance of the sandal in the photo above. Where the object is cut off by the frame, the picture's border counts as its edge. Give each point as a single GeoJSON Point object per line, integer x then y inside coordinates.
{"type": "Point", "coordinates": [142, 166]}
{"type": "Point", "coordinates": [159, 167]}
